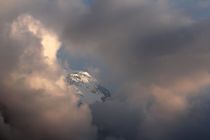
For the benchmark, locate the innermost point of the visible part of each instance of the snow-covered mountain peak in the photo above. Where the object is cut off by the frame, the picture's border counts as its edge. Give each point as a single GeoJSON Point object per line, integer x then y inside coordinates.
{"type": "Point", "coordinates": [82, 77]}
{"type": "Point", "coordinates": [87, 87]}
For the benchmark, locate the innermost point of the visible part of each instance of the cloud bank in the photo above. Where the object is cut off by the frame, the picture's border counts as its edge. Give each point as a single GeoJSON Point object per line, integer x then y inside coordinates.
{"type": "Point", "coordinates": [156, 58]}
{"type": "Point", "coordinates": [36, 103]}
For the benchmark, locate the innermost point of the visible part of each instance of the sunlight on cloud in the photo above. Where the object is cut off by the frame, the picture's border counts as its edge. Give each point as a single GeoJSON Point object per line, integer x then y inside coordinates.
{"type": "Point", "coordinates": [38, 75]}
{"type": "Point", "coordinates": [49, 78]}
{"type": "Point", "coordinates": [49, 40]}
{"type": "Point", "coordinates": [173, 97]}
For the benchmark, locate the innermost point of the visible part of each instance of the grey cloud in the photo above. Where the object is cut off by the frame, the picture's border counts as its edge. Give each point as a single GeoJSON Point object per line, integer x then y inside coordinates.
{"type": "Point", "coordinates": [148, 46]}
{"type": "Point", "coordinates": [130, 35]}
{"type": "Point", "coordinates": [116, 119]}
{"type": "Point", "coordinates": [141, 41]}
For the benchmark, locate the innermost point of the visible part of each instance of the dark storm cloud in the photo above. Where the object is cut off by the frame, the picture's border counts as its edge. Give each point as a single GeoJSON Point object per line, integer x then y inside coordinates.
{"type": "Point", "coordinates": [137, 38]}
{"type": "Point", "coordinates": [160, 56]}
{"type": "Point", "coordinates": [145, 41]}
{"type": "Point", "coordinates": [117, 120]}
{"type": "Point", "coordinates": [131, 36]}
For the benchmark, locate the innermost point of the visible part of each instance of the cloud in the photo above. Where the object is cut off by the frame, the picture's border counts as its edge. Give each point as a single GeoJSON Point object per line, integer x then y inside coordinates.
{"type": "Point", "coordinates": [157, 56]}
{"type": "Point", "coordinates": [36, 101]}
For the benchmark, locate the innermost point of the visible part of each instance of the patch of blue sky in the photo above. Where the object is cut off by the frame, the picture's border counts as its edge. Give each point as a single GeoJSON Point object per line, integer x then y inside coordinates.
{"type": "Point", "coordinates": [76, 62]}
{"type": "Point", "coordinates": [197, 9]}
{"type": "Point", "coordinates": [88, 2]}
{"type": "Point", "coordinates": [84, 63]}
{"type": "Point", "coordinates": [184, 3]}
{"type": "Point", "coordinates": [202, 14]}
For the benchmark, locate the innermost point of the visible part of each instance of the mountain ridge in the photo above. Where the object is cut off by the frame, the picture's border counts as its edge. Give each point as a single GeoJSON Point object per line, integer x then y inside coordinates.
{"type": "Point", "coordinates": [87, 88]}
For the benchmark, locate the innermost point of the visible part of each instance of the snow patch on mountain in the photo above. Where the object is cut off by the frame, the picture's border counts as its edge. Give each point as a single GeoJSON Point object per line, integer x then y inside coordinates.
{"type": "Point", "coordinates": [87, 87]}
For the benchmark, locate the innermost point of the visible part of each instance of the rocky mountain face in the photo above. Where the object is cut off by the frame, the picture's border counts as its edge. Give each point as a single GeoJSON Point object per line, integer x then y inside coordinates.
{"type": "Point", "coordinates": [87, 87]}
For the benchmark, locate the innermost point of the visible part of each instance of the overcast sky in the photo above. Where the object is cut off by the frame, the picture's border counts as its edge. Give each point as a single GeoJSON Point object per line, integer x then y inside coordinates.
{"type": "Point", "coordinates": [153, 55]}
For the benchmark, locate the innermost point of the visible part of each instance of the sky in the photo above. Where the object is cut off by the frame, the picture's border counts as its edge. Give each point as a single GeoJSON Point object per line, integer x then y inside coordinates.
{"type": "Point", "coordinates": [153, 55]}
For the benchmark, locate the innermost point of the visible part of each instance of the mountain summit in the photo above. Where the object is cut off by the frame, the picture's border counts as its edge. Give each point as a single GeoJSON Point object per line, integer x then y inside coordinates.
{"type": "Point", "coordinates": [87, 87]}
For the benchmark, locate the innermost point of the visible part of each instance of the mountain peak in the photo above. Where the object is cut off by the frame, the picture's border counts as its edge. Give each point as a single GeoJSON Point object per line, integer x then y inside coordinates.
{"type": "Point", "coordinates": [87, 87]}
{"type": "Point", "coordinates": [80, 77]}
